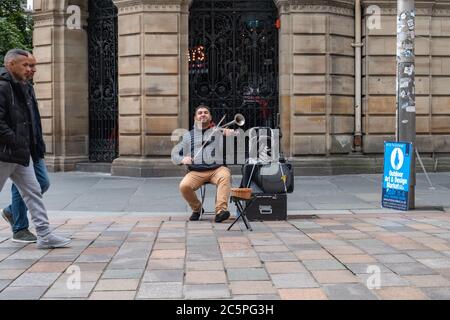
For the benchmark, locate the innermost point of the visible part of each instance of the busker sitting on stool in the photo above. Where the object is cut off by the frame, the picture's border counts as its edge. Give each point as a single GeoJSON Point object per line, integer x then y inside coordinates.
{"type": "Point", "coordinates": [204, 160]}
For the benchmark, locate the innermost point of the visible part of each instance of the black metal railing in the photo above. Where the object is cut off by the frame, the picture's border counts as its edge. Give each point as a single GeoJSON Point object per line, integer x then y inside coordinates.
{"type": "Point", "coordinates": [233, 59]}
{"type": "Point", "coordinates": [103, 83]}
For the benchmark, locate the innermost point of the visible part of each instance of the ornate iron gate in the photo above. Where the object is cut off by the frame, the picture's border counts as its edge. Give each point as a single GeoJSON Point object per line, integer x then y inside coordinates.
{"type": "Point", "coordinates": [103, 85]}
{"type": "Point", "coordinates": [233, 59]}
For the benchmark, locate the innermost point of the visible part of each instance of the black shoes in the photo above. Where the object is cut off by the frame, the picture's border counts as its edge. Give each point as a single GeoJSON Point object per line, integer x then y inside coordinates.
{"type": "Point", "coordinates": [222, 216]}
{"type": "Point", "coordinates": [195, 216]}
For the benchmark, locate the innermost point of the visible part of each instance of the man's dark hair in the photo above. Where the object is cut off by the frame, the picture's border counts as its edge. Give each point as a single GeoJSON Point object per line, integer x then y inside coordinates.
{"type": "Point", "coordinates": [201, 106]}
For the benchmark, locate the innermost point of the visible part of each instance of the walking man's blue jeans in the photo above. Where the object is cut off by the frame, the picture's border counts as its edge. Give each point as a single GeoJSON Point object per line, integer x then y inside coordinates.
{"type": "Point", "coordinates": [18, 208]}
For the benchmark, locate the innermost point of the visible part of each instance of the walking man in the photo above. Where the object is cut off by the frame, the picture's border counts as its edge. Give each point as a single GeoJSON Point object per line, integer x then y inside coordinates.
{"type": "Point", "coordinates": [16, 144]}
{"type": "Point", "coordinates": [16, 212]}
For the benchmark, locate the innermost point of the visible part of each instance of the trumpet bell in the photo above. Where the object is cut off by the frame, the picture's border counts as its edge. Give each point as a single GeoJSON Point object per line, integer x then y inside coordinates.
{"type": "Point", "coordinates": [239, 119]}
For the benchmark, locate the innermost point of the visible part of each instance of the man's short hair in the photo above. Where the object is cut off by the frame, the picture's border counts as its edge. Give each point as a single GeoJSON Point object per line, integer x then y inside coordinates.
{"type": "Point", "coordinates": [13, 54]}
{"type": "Point", "coordinates": [202, 106]}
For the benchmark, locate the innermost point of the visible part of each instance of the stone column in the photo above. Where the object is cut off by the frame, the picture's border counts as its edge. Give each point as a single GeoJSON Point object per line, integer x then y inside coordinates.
{"type": "Point", "coordinates": [285, 74]}
{"type": "Point", "coordinates": [152, 84]}
{"type": "Point", "coordinates": [62, 82]}
{"type": "Point", "coordinates": [318, 56]}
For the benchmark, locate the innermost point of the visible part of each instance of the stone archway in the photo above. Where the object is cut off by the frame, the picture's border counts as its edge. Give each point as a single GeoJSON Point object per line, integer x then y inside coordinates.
{"type": "Point", "coordinates": [315, 87]}
{"type": "Point", "coordinates": [154, 83]}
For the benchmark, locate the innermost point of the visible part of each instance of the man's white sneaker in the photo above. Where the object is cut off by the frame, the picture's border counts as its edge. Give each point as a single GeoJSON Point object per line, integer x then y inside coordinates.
{"type": "Point", "coordinates": [52, 241]}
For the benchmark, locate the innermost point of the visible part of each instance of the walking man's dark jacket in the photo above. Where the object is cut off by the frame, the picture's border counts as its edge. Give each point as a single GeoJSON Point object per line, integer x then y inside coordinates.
{"type": "Point", "coordinates": [15, 121]}
{"type": "Point", "coordinates": [38, 144]}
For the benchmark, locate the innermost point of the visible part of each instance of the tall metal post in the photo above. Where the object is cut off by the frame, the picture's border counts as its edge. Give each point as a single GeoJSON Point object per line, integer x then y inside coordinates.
{"type": "Point", "coordinates": [358, 76]}
{"type": "Point", "coordinates": [406, 98]}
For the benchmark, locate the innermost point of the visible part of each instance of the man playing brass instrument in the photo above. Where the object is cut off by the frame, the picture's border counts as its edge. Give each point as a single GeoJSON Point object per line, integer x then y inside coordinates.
{"type": "Point", "coordinates": [202, 154]}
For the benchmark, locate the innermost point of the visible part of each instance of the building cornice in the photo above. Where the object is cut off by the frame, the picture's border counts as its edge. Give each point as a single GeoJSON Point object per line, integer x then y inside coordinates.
{"type": "Point", "coordinates": [54, 18]}
{"type": "Point", "coordinates": [423, 8]}
{"type": "Point", "coordinates": [131, 3]}
{"type": "Point", "coordinates": [342, 7]}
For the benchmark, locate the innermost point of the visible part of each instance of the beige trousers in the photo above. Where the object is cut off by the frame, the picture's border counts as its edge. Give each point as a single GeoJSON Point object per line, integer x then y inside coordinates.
{"type": "Point", "coordinates": [221, 177]}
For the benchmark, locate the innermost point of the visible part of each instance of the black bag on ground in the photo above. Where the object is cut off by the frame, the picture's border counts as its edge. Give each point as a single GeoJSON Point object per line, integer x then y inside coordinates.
{"type": "Point", "coordinates": [275, 178]}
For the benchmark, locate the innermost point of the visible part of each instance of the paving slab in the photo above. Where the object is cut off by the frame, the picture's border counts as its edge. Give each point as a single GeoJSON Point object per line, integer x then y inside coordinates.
{"type": "Point", "coordinates": [112, 295]}
{"type": "Point", "coordinates": [247, 274]}
{"type": "Point", "coordinates": [334, 276]}
{"type": "Point", "coordinates": [206, 291]}
{"type": "Point", "coordinates": [252, 287]}
{"type": "Point", "coordinates": [29, 279]}
{"type": "Point", "coordinates": [123, 274]}
{"type": "Point", "coordinates": [330, 264]}
{"type": "Point", "coordinates": [22, 293]}
{"type": "Point", "coordinates": [405, 269]}
{"type": "Point", "coordinates": [437, 293]}
{"type": "Point", "coordinates": [160, 290]}
{"type": "Point", "coordinates": [148, 257]}
{"type": "Point", "coordinates": [428, 281]}
{"type": "Point", "coordinates": [117, 285]}
{"type": "Point", "coordinates": [401, 293]}
{"type": "Point", "coordinates": [303, 294]}
{"type": "Point", "coordinates": [348, 292]}
{"type": "Point", "coordinates": [294, 280]}
{"type": "Point", "coordinates": [176, 275]}
{"type": "Point", "coordinates": [284, 267]}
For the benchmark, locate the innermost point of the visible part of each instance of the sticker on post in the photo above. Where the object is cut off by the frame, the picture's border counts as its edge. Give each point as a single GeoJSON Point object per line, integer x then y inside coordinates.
{"type": "Point", "coordinates": [404, 83]}
{"type": "Point", "coordinates": [407, 53]}
{"type": "Point", "coordinates": [408, 45]}
{"type": "Point", "coordinates": [409, 70]}
{"type": "Point", "coordinates": [410, 23]}
{"type": "Point", "coordinates": [405, 105]}
{"type": "Point", "coordinates": [410, 109]}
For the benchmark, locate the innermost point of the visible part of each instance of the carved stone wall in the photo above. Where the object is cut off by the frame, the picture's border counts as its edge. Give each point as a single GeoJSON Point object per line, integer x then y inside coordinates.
{"type": "Point", "coordinates": [432, 77]}
{"type": "Point", "coordinates": [316, 78]}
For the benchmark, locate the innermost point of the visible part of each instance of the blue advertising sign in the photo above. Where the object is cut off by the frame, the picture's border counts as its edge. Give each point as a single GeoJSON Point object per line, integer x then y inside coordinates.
{"type": "Point", "coordinates": [397, 165]}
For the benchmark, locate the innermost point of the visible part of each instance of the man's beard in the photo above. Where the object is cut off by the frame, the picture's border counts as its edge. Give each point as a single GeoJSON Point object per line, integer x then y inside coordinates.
{"type": "Point", "coordinates": [201, 124]}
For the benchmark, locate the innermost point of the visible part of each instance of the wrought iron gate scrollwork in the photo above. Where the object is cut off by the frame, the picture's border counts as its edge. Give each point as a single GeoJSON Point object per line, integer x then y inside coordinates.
{"type": "Point", "coordinates": [233, 59]}
{"type": "Point", "coordinates": [103, 84]}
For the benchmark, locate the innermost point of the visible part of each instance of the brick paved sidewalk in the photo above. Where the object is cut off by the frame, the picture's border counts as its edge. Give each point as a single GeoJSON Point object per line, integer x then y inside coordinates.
{"type": "Point", "coordinates": [331, 257]}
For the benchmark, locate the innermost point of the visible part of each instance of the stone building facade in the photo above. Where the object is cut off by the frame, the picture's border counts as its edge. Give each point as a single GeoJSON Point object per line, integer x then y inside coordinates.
{"type": "Point", "coordinates": [316, 82]}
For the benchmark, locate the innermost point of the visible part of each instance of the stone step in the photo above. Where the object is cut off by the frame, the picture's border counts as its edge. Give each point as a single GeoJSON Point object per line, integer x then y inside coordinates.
{"type": "Point", "coordinates": [304, 166]}
{"type": "Point", "coordinates": [101, 167]}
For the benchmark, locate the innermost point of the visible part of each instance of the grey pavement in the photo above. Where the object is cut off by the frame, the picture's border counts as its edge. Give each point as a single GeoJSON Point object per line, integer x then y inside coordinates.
{"type": "Point", "coordinates": [131, 240]}
{"type": "Point", "coordinates": [80, 193]}
{"type": "Point", "coordinates": [337, 257]}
